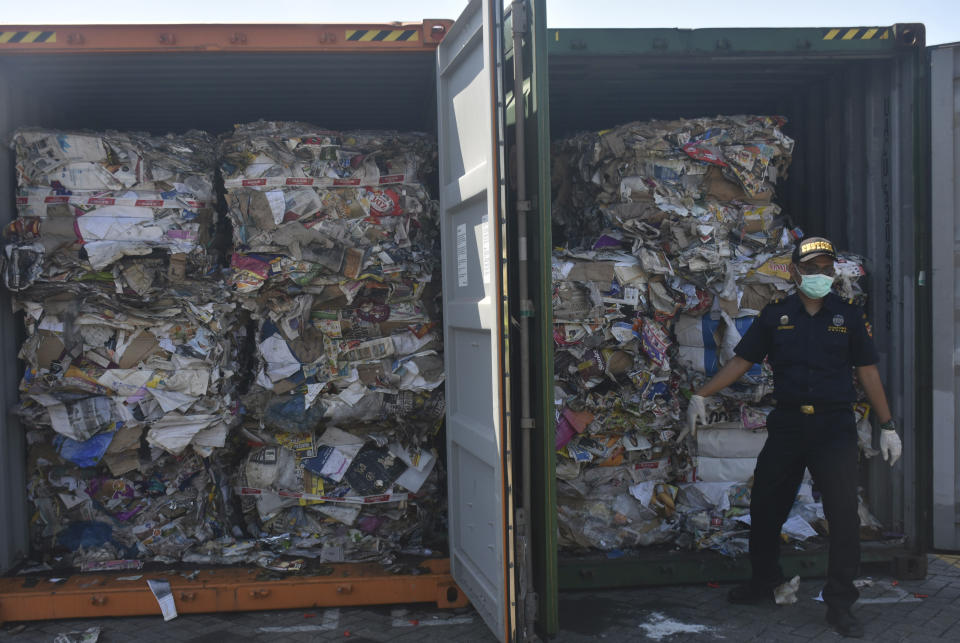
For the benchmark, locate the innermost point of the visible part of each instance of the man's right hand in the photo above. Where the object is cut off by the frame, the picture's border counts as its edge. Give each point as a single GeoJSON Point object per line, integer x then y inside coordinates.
{"type": "Point", "coordinates": [696, 410]}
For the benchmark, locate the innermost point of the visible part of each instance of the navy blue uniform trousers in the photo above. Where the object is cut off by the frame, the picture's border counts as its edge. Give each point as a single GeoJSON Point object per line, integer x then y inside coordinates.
{"type": "Point", "coordinates": [825, 443]}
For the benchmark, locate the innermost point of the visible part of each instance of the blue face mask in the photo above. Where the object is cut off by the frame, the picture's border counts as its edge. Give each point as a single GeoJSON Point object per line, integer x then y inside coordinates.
{"type": "Point", "coordinates": [815, 286]}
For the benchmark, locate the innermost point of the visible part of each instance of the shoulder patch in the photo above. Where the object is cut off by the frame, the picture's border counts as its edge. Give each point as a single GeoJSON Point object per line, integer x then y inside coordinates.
{"type": "Point", "coordinates": [850, 301]}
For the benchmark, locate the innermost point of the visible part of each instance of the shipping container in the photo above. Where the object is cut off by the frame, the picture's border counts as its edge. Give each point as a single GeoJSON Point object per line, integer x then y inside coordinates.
{"type": "Point", "coordinates": [856, 100]}
{"type": "Point", "coordinates": [172, 78]}
{"type": "Point", "coordinates": [857, 104]}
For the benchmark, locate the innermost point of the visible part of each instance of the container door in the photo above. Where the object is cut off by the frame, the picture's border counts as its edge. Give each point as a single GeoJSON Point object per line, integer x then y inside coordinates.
{"type": "Point", "coordinates": [470, 132]}
{"type": "Point", "coordinates": [945, 170]}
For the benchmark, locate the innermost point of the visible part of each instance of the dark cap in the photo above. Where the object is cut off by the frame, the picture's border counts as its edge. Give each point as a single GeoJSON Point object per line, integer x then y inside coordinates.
{"type": "Point", "coordinates": [813, 247]}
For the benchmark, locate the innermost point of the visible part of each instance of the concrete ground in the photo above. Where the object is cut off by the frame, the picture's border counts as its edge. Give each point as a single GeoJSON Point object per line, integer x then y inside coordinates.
{"type": "Point", "coordinates": [914, 611]}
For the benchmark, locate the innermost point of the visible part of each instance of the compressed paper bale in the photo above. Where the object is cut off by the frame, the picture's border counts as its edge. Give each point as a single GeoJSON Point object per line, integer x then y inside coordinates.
{"type": "Point", "coordinates": [682, 211]}
{"type": "Point", "coordinates": [335, 256]}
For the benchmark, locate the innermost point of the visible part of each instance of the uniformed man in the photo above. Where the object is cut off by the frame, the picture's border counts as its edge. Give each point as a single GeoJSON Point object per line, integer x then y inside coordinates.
{"type": "Point", "coordinates": [813, 340]}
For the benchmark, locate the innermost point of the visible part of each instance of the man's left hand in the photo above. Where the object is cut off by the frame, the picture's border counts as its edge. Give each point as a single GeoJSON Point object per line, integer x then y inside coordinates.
{"type": "Point", "coordinates": [890, 446]}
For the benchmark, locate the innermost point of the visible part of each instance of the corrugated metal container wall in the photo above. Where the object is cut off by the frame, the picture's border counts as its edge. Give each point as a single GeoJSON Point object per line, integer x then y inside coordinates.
{"type": "Point", "coordinates": [945, 174]}
{"type": "Point", "coordinates": [13, 502]}
{"type": "Point", "coordinates": [293, 77]}
{"type": "Point", "coordinates": [856, 107]}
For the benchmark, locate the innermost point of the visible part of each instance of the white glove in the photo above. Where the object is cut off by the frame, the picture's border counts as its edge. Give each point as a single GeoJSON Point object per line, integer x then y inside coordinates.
{"type": "Point", "coordinates": [890, 446]}
{"type": "Point", "coordinates": [696, 410]}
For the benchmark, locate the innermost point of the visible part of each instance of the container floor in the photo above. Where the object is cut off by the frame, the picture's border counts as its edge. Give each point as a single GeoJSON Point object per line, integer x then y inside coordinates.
{"type": "Point", "coordinates": [663, 565]}
{"type": "Point", "coordinates": [917, 610]}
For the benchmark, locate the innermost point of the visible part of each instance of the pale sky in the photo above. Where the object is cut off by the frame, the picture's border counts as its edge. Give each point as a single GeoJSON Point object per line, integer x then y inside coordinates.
{"type": "Point", "coordinates": [941, 17]}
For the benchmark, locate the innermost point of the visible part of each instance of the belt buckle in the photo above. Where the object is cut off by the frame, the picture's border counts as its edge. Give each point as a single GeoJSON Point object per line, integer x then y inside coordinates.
{"type": "Point", "coordinates": [806, 409]}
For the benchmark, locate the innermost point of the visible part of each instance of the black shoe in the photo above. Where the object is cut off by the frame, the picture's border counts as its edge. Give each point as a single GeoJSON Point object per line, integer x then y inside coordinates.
{"type": "Point", "coordinates": [844, 622]}
{"type": "Point", "coordinates": [749, 594]}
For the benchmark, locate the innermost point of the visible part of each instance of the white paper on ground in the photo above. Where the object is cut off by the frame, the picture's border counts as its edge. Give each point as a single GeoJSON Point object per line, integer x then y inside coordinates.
{"type": "Point", "coordinates": [89, 635]}
{"type": "Point", "coordinates": [163, 594]}
{"type": "Point", "coordinates": [786, 593]}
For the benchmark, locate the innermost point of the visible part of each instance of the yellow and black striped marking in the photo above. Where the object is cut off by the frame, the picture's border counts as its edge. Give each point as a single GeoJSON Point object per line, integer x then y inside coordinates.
{"type": "Point", "coordinates": [27, 36]}
{"type": "Point", "coordinates": [858, 33]}
{"type": "Point", "coordinates": [382, 35]}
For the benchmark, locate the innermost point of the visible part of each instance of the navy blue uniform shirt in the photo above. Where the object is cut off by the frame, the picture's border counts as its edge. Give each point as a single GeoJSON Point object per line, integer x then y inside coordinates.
{"type": "Point", "coordinates": [812, 356]}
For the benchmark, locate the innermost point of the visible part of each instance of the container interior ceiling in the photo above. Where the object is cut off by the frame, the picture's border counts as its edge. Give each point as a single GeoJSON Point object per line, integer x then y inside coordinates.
{"type": "Point", "coordinates": [850, 178]}
{"type": "Point", "coordinates": [175, 92]}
